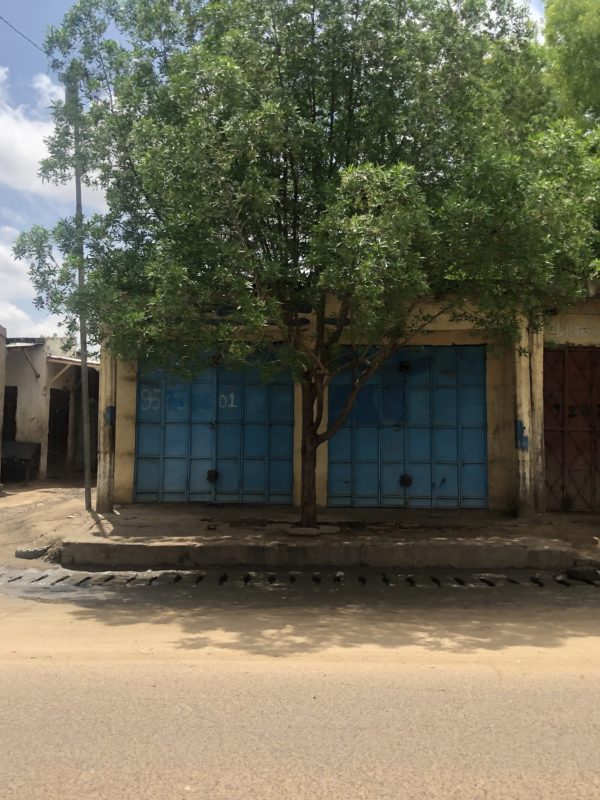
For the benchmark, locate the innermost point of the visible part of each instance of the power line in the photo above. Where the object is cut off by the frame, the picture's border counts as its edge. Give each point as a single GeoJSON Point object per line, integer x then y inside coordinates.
{"type": "Point", "coordinates": [16, 30]}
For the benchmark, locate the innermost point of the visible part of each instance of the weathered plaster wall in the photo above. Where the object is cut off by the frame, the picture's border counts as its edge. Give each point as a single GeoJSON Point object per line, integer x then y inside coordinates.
{"type": "Point", "coordinates": [26, 369]}
{"type": "Point", "coordinates": [106, 432]}
{"type": "Point", "coordinates": [578, 327]}
{"type": "Point", "coordinates": [126, 393]}
{"type": "Point", "coordinates": [55, 346]}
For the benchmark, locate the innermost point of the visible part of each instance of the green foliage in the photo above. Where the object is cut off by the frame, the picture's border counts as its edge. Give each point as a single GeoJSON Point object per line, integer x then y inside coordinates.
{"type": "Point", "coordinates": [53, 269]}
{"type": "Point", "coordinates": [573, 38]}
{"type": "Point", "coordinates": [260, 156]}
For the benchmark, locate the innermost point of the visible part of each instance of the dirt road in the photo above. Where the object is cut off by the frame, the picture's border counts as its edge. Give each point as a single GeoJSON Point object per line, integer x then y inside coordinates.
{"type": "Point", "coordinates": [221, 692]}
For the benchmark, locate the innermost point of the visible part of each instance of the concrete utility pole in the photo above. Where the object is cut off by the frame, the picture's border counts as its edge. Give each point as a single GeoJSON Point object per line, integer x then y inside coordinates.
{"type": "Point", "coordinates": [72, 102]}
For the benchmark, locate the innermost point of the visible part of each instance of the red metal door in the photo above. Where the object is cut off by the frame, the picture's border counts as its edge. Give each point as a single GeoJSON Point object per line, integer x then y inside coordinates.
{"type": "Point", "coordinates": [571, 424]}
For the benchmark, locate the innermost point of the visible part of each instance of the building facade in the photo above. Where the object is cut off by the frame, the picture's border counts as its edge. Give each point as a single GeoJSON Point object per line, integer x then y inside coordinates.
{"type": "Point", "coordinates": [571, 417]}
{"type": "Point", "coordinates": [451, 421]}
{"type": "Point", "coordinates": [42, 402]}
{"type": "Point", "coordinates": [435, 428]}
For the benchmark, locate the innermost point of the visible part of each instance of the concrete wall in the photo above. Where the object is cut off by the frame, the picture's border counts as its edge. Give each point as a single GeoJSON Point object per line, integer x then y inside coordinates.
{"type": "Point", "coordinates": [515, 417]}
{"type": "Point", "coordinates": [126, 394]}
{"type": "Point", "coordinates": [579, 327]}
{"type": "Point", "coordinates": [28, 369]}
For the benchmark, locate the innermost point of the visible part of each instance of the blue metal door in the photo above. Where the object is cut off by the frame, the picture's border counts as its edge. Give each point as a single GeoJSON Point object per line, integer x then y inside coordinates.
{"type": "Point", "coordinates": [417, 434]}
{"type": "Point", "coordinates": [224, 437]}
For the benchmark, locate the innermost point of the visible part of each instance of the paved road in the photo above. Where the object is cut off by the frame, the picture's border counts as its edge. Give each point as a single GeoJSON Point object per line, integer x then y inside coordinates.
{"type": "Point", "coordinates": [306, 690]}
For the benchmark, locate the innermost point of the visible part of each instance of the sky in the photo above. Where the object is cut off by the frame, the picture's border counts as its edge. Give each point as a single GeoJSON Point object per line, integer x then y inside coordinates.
{"type": "Point", "coordinates": [27, 88]}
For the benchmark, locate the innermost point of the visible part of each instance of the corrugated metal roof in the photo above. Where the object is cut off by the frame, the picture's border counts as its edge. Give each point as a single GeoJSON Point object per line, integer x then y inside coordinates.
{"type": "Point", "coordinates": [24, 342]}
{"type": "Point", "coordinates": [69, 360]}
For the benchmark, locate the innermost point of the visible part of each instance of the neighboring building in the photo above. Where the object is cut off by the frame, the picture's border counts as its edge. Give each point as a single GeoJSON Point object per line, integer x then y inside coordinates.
{"type": "Point", "coordinates": [42, 402]}
{"type": "Point", "coordinates": [572, 409]}
{"type": "Point", "coordinates": [450, 422]}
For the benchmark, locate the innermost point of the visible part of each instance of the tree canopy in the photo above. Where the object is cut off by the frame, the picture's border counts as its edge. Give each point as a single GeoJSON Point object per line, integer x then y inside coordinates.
{"type": "Point", "coordinates": [573, 36]}
{"type": "Point", "coordinates": [262, 157]}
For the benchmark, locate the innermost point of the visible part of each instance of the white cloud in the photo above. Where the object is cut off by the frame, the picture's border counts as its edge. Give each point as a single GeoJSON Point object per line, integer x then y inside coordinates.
{"type": "Point", "coordinates": [18, 323]}
{"type": "Point", "coordinates": [3, 84]}
{"type": "Point", "coordinates": [22, 147]}
{"type": "Point", "coordinates": [48, 91]}
{"type": "Point", "coordinates": [16, 294]}
{"type": "Point", "coordinates": [14, 278]}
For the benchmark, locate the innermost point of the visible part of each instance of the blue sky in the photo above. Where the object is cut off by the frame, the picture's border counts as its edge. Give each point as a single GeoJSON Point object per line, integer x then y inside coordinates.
{"type": "Point", "coordinates": [26, 90]}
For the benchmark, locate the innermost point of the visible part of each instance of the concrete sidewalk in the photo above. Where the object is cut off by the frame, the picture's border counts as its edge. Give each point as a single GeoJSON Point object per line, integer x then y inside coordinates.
{"type": "Point", "coordinates": [193, 536]}
{"type": "Point", "coordinates": [188, 537]}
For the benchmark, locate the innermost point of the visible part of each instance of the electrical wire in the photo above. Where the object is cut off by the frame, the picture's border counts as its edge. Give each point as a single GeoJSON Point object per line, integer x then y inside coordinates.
{"type": "Point", "coordinates": [24, 36]}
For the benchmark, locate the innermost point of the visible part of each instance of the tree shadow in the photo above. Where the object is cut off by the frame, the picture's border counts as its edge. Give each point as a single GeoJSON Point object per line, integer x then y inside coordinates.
{"type": "Point", "coordinates": [281, 621]}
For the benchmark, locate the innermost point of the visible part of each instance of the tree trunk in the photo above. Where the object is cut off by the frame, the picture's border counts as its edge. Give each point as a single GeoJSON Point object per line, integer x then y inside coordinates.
{"type": "Point", "coordinates": [308, 501]}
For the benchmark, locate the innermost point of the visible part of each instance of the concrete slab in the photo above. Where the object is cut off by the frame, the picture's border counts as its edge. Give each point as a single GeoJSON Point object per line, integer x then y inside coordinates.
{"type": "Point", "coordinates": [195, 536]}
{"type": "Point", "coordinates": [477, 554]}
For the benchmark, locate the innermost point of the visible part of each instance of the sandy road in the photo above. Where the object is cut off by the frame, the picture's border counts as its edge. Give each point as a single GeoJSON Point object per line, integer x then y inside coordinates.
{"type": "Point", "coordinates": [230, 694]}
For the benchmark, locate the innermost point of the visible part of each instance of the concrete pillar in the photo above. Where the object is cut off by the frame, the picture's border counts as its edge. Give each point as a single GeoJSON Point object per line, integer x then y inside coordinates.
{"type": "Point", "coordinates": [529, 420]}
{"type": "Point", "coordinates": [525, 503]}
{"type": "Point", "coordinates": [107, 396]}
{"type": "Point", "coordinates": [538, 467]}
{"type": "Point", "coordinates": [125, 432]}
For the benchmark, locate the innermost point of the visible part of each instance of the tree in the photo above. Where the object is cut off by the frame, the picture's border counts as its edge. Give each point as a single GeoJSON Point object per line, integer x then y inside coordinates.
{"type": "Point", "coordinates": [573, 38]}
{"type": "Point", "coordinates": [289, 181]}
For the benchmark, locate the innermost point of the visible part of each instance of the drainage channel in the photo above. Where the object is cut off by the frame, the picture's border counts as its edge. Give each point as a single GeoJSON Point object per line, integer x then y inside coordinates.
{"type": "Point", "coordinates": [313, 578]}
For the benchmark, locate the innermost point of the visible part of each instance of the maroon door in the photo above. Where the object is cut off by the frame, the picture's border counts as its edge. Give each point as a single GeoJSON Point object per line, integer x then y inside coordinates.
{"type": "Point", "coordinates": [571, 426]}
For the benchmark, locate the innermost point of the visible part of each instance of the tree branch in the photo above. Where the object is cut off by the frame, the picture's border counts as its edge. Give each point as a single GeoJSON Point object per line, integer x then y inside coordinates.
{"type": "Point", "coordinates": [357, 385]}
{"type": "Point", "coordinates": [377, 362]}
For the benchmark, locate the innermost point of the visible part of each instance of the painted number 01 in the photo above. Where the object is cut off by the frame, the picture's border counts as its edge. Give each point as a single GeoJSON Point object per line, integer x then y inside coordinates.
{"type": "Point", "coordinates": [227, 401]}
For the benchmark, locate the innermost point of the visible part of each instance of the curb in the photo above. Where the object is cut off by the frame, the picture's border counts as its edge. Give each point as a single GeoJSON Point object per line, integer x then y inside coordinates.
{"type": "Point", "coordinates": [401, 555]}
{"type": "Point", "coordinates": [32, 552]}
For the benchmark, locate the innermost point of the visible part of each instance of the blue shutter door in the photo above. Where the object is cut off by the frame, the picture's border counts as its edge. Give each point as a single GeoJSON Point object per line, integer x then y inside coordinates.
{"type": "Point", "coordinates": [224, 437]}
{"type": "Point", "coordinates": [417, 434]}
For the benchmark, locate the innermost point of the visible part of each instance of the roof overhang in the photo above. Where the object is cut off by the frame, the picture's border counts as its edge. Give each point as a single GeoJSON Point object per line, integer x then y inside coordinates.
{"type": "Point", "coordinates": [71, 362]}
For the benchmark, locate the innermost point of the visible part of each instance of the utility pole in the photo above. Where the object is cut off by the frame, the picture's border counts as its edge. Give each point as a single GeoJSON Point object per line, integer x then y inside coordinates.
{"type": "Point", "coordinates": [72, 102]}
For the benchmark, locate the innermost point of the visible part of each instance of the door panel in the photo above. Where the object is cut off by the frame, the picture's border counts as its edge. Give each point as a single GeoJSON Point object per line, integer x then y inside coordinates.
{"type": "Point", "coordinates": [149, 440]}
{"type": "Point", "coordinates": [571, 423]}
{"type": "Point", "coordinates": [224, 437]}
{"type": "Point", "coordinates": [417, 434]}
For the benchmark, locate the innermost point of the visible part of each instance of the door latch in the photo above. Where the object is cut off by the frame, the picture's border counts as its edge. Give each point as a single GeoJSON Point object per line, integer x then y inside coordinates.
{"type": "Point", "coordinates": [212, 475]}
{"type": "Point", "coordinates": [405, 480]}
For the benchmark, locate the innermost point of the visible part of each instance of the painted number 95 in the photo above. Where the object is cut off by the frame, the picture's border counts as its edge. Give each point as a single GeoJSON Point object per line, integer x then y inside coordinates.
{"type": "Point", "coordinates": [150, 400]}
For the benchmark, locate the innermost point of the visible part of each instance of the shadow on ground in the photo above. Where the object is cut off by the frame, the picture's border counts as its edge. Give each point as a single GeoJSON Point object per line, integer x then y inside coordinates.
{"type": "Point", "coordinates": [282, 621]}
